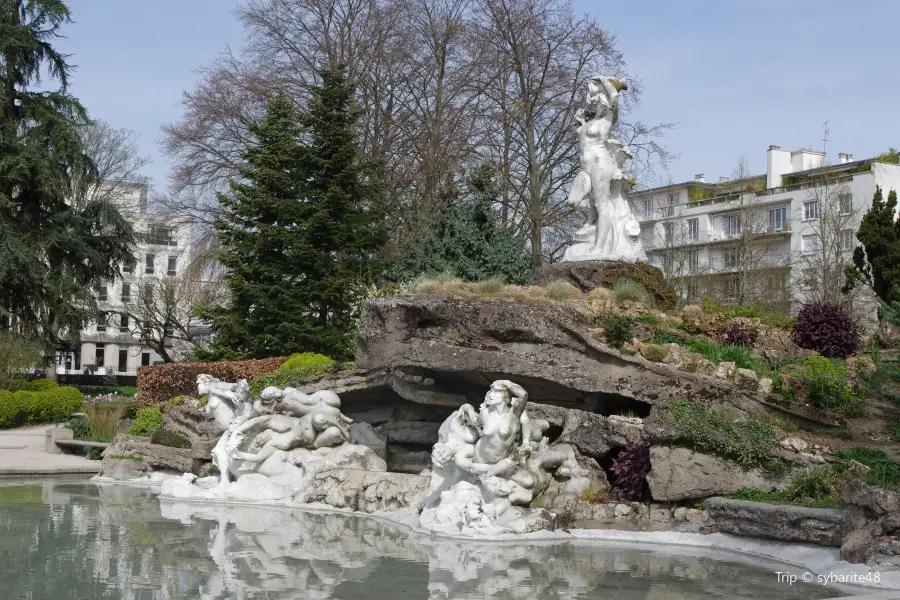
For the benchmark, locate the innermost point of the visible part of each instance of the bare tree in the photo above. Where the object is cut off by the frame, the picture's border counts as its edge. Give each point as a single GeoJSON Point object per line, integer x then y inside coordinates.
{"type": "Point", "coordinates": [437, 81]}
{"type": "Point", "coordinates": [752, 251]}
{"type": "Point", "coordinates": [119, 163]}
{"type": "Point", "coordinates": [828, 237]}
{"type": "Point", "coordinates": [162, 311]}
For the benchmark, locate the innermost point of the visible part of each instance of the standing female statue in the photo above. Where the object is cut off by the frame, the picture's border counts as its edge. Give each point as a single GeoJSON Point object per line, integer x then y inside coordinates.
{"type": "Point", "coordinates": [604, 235]}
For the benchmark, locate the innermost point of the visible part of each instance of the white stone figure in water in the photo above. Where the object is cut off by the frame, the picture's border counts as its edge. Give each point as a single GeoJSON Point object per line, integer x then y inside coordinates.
{"type": "Point", "coordinates": [609, 232]}
{"type": "Point", "coordinates": [229, 405]}
{"type": "Point", "coordinates": [488, 464]}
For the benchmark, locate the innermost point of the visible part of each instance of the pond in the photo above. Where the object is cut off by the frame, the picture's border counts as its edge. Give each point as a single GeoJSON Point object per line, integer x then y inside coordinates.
{"type": "Point", "coordinates": [68, 538]}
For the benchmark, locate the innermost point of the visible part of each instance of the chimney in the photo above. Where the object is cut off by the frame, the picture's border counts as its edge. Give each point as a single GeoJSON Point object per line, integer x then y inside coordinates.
{"type": "Point", "coordinates": [849, 157]}
{"type": "Point", "coordinates": [700, 177]}
{"type": "Point", "coordinates": [842, 158]}
{"type": "Point", "coordinates": [721, 179]}
{"type": "Point", "coordinates": [778, 163]}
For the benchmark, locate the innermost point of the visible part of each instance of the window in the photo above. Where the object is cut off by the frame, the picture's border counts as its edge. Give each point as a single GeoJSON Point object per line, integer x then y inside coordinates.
{"type": "Point", "coordinates": [129, 265]}
{"type": "Point", "coordinates": [126, 292]}
{"type": "Point", "coordinates": [168, 331]}
{"type": "Point", "coordinates": [847, 242]}
{"type": "Point", "coordinates": [669, 209]}
{"type": "Point", "coordinates": [161, 236]}
{"type": "Point", "coordinates": [777, 219]}
{"type": "Point", "coordinates": [101, 323]}
{"type": "Point", "coordinates": [145, 359]}
{"type": "Point", "coordinates": [731, 226]}
{"type": "Point", "coordinates": [173, 261]}
{"type": "Point", "coordinates": [100, 355]}
{"type": "Point", "coordinates": [732, 285]}
{"type": "Point", "coordinates": [694, 260]}
{"type": "Point", "coordinates": [811, 209]}
{"type": "Point", "coordinates": [148, 291]}
{"type": "Point", "coordinates": [810, 243]}
{"type": "Point", "coordinates": [693, 289]}
{"type": "Point", "coordinates": [667, 230]}
{"type": "Point", "coordinates": [730, 258]}
{"type": "Point", "coordinates": [123, 323]}
{"type": "Point", "coordinates": [101, 294]}
{"type": "Point", "coordinates": [845, 203]}
{"type": "Point", "coordinates": [150, 260]}
{"type": "Point", "coordinates": [648, 209]}
{"type": "Point", "coordinates": [693, 229]}
{"type": "Point", "coordinates": [123, 361]}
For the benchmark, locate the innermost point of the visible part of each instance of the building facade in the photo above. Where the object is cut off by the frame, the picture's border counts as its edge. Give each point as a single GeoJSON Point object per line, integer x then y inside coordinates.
{"type": "Point", "coordinates": [779, 239]}
{"type": "Point", "coordinates": [112, 344]}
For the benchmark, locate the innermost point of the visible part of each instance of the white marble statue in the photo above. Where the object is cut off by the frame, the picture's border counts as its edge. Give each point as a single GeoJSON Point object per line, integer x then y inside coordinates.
{"type": "Point", "coordinates": [488, 466]}
{"type": "Point", "coordinates": [600, 189]}
{"type": "Point", "coordinates": [273, 447]}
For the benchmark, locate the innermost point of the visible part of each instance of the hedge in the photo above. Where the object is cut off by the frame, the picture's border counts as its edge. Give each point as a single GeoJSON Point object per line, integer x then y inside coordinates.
{"type": "Point", "coordinates": [31, 385]}
{"type": "Point", "coordinates": [23, 407]}
{"type": "Point", "coordinates": [158, 383]}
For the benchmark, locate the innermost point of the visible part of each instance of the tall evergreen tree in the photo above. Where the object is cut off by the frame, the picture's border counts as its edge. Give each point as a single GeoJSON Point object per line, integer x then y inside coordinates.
{"type": "Point", "coordinates": [876, 262]}
{"type": "Point", "coordinates": [300, 230]}
{"type": "Point", "coordinates": [52, 255]}
{"type": "Point", "coordinates": [465, 235]}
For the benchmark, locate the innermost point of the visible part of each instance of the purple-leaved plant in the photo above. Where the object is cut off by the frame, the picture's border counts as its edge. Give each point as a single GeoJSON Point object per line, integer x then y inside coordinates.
{"type": "Point", "coordinates": [631, 468]}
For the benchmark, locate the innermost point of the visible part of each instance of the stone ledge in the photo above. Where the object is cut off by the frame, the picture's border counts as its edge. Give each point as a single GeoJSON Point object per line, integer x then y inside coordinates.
{"type": "Point", "coordinates": [777, 521]}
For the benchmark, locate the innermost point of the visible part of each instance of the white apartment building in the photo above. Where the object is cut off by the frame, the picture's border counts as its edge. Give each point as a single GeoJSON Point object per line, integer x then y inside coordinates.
{"type": "Point", "coordinates": [689, 230]}
{"type": "Point", "coordinates": [162, 250]}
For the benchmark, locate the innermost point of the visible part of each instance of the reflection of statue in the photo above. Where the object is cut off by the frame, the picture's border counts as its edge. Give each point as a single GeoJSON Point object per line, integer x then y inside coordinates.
{"type": "Point", "coordinates": [486, 464]}
{"type": "Point", "coordinates": [599, 188]}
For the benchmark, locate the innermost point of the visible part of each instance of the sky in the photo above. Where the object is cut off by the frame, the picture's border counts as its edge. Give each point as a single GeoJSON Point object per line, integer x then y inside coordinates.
{"type": "Point", "coordinates": [734, 75]}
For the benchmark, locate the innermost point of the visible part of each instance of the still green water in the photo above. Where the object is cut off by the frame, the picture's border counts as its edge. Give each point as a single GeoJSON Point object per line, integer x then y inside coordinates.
{"type": "Point", "coordinates": [69, 539]}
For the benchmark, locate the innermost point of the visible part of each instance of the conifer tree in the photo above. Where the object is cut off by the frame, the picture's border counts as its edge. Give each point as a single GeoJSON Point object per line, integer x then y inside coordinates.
{"type": "Point", "coordinates": [52, 254]}
{"type": "Point", "coordinates": [876, 262]}
{"type": "Point", "coordinates": [300, 231]}
{"type": "Point", "coordinates": [466, 237]}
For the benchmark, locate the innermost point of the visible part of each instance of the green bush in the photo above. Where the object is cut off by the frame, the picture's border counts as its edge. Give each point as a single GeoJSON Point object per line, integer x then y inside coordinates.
{"type": "Point", "coordinates": [629, 290]}
{"type": "Point", "coordinates": [814, 483]}
{"type": "Point", "coordinates": [883, 472]}
{"type": "Point", "coordinates": [741, 356]}
{"type": "Point", "coordinates": [297, 368]}
{"type": "Point", "coordinates": [80, 428]}
{"type": "Point", "coordinates": [827, 387]}
{"type": "Point", "coordinates": [172, 439]}
{"type": "Point", "coordinates": [667, 337]}
{"type": "Point", "coordinates": [617, 329]}
{"type": "Point", "coordinates": [146, 421]}
{"type": "Point", "coordinates": [176, 401]}
{"type": "Point", "coordinates": [559, 289]}
{"type": "Point", "coordinates": [54, 404]}
{"type": "Point", "coordinates": [31, 385]}
{"type": "Point", "coordinates": [307, 361]}
{"type": "Point", "coordinates": [656, 353]}
{"type": "Point", "coordinates": [651, 320]}
{"type": "Point", "coordinates": [749, 443]}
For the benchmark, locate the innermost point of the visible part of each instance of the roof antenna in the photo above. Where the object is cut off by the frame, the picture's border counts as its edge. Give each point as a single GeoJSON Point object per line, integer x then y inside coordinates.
{"type": "Point", "coordinates": [825, 139]}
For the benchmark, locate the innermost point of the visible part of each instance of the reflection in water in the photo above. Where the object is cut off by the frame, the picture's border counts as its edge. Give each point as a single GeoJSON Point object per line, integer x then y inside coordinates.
{"type": "Point", "coordinates": [63, 539]}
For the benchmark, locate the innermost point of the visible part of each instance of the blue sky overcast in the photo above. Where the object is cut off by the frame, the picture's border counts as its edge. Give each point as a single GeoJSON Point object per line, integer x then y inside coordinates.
{"type": "Point", "coordinates": [736, 75]}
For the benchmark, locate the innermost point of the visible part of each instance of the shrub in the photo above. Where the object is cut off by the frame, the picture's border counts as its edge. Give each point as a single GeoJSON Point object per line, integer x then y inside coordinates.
{"type": "Point", "coordinates": [102, 419]}
{"type": "Point", "coordinates": [827, 388]}
{"type": "Point", "coordinates": [656, 353]}
{"type": "Point", "coordinates": [749, 443]}
{"type": "Point", "coordinates": [158, 383]}
{"type": "Point", "coordinates": [21, 407]}
{"type": "Point", "coordinates": [814, 483]}
{"type": "Point", "coordinates": [662, 292]}
{"type": "Point", "coordinates": [79, 427]}
{"type": "Point", "coordinates": [17, 355]}
{"type": "Point", "coordinates": [740, 333]}
{"type": "Point", "coordinates": [147, 420]}
{"type": "Point", "coordinates": [741, 356]}
{"type": "Point", "coordinates": [828, 329]}
{"type": "Point", "coordinates": [172, 439]}
{"type": "Point", "coordinates": [651, 320]}
{"type": "Point", "coordinates": [631, 468]}
{"type": "Point", "coordinates": [315, 363]}
{"type": "Point", "coordinates": [617, 329]}
{"type": "Point", "coordinates": [883, 472]}
{"type": "Point", "coordinates": [667, 337]}
{"type": "Point", "coordinates": [705, 348]}
{"type": "Point", "coordinates": [629, 290]}
{"type": "Point", "coordinates": [490, 287]}
{"type": "Point", "coordinates": [176, 400]}
{"type": "Point", "coordinates": [559, 289]}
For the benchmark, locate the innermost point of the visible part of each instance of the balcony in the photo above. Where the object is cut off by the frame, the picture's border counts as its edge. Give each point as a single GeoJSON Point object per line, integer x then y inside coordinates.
{"type": "Point", "coordinates": [157, 240]}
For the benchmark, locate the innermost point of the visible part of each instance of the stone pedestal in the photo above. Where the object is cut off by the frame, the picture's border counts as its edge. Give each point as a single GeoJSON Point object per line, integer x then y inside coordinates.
{"type": "Point", "coordinates": [587, 275]}
{"type": "Point", "coordinates": [52, 435]}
